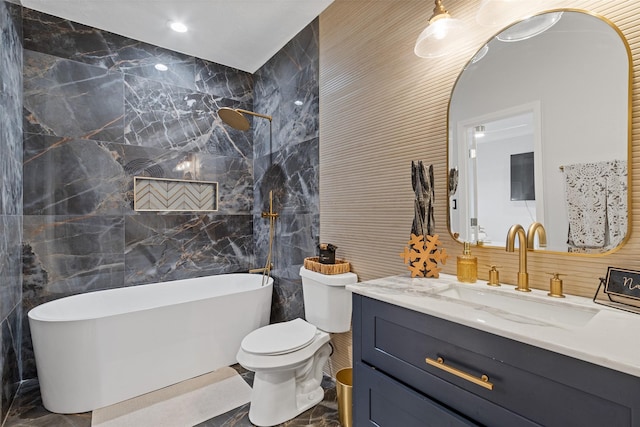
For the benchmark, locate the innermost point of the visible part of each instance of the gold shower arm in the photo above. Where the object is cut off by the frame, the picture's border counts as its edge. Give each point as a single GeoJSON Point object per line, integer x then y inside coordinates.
{"type": "Point", "coordinates": [264, 116]}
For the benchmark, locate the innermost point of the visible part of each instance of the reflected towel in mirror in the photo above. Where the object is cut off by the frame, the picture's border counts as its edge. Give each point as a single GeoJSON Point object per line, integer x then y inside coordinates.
{"type": "Point", "coordinates": [596, 195]}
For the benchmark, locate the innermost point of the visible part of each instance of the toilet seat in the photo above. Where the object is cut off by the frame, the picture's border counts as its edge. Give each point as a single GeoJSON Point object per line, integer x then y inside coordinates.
{"type": "Point", "coordinates": [280, 338]}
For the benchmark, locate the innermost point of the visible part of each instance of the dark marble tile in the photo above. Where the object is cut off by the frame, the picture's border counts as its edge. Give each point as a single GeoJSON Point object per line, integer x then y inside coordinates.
{"type": "Point", "coordinates": [65, 39]}
{"type": "Point", "coordinates": [10, 360]}
{"type": "Point", "coordinates": [140, 59]}
{"type": "Point", "coordinates": [70, 99]}
{"type": "Point", "coordinates": [171, 247]}
{"type": "Point", "coordinates": [10, 263]}
{"type": "Point", "coordinates": [287, 87]}
{"type": "Point", "coordinates": [235, 184]}
{"type": "Point", "coordinates": [301, 50]}
{"type": "Point", "coordinates": [300, 122]}
{"type": "Point", "coordinates": [11, 191]}
{"type": "Point", "coordinates": [11, 107]}
{"type": "Point", "coordinates": [226, 82]}
{"type": "Point", "coordinates": [289, 166]}
{"type": "Point", "coordinates": [27, 357]}
{"type": "Point", "coordinates": [65, 255]}
{"type": "Point", "coordinates": [27, 411]}
{"type": "Point", "coordinates": [170, 117]}
{"type": "Point", "coordinates": [227, 141]}
{"type": "Point", "coordinates": [70, 40]}
{"type": "Point", "coordinates": [234, 175]}
{"type": "Point", "coordinates": [267, 100]}
{"type": "Point", "coordinates": [15, 11]}
{"type": "Point", "coordinates": [10, 195]}
{"type": "Point", "coordinates": [293, 177]}
{"type": "Point", "coordinates": [287, 300]}
{"type": "Point", "coordinates": [67, 176]}
{"type": "Point", "coordinates": [295, 238]}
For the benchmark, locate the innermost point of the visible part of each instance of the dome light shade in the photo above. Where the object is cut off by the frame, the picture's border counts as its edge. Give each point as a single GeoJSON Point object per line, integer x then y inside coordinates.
{"type": "Point", "coordinates": [435, 40]}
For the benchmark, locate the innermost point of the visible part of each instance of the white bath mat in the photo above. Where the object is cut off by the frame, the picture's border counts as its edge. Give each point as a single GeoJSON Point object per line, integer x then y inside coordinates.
{"type": "Point", "coordinates": [181, 405]}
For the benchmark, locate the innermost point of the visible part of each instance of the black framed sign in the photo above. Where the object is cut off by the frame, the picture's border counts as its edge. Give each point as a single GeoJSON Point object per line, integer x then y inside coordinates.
{"type": "Point", "coordinates": [623, 282]}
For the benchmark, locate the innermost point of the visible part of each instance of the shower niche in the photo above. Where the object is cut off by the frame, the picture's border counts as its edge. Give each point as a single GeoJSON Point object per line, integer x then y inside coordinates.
{"type": "Point", "coordinates": [174, 195]}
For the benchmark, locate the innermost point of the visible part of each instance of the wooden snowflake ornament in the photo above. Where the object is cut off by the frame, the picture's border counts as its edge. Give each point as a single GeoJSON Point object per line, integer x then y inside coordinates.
{"type": "Point", "coordinates": [423, 256]}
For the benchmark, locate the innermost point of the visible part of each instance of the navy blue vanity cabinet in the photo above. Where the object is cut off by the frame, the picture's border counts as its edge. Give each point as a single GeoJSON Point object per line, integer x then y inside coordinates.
{"type": "Point", "coordinates": [395, 386]}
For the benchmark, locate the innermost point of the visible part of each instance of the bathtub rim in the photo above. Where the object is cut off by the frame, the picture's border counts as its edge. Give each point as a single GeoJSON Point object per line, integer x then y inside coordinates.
{"type": "Point", "coordinates": [33, 313]}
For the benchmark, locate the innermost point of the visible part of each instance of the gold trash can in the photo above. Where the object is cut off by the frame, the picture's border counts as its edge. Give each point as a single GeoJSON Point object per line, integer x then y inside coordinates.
{"type": "Point", "coordinates": [344, 385]}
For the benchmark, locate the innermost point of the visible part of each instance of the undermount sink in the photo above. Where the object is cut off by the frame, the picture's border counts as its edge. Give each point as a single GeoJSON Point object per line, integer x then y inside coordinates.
{"type": "Point", "coordinates": [556, 312]}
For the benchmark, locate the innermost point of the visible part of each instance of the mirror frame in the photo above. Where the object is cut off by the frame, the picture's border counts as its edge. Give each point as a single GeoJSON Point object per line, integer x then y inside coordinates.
{"type": "Point", "coordinates": [629, 133]}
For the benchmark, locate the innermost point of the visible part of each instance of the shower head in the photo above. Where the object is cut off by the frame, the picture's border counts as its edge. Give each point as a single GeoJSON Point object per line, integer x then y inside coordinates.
{"type": "Point", "coordinates": [235, 117]}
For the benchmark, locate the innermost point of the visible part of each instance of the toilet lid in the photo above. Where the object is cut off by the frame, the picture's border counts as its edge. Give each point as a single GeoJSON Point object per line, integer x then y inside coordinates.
{"type": "Point", "coordinates": [280, 338]}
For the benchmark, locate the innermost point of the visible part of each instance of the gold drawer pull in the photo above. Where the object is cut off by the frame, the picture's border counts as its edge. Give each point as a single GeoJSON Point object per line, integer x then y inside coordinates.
{"type": "Point", "coordinates": [483, 381]}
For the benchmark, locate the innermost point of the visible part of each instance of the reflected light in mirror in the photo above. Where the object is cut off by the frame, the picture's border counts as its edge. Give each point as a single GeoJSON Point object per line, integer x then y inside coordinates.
{"type": "Point", "coordinates": [499, 13]}
{"type": "Point", "coordinates": [481, 54]}
{"type": "Point", "coordinates": [530, 27]}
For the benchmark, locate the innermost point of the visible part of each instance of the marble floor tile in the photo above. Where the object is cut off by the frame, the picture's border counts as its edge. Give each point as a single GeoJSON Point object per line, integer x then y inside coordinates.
{"type": "Point", "coordinates": [27, 410]}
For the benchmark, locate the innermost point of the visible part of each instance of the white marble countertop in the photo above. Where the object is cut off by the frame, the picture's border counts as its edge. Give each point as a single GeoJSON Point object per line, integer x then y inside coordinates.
{"type": "Point", "coordinates": [573, 326]}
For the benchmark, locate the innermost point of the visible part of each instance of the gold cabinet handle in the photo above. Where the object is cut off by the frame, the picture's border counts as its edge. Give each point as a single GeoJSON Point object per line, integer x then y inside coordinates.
{"type": "Point", "coordinates": [483, 381]}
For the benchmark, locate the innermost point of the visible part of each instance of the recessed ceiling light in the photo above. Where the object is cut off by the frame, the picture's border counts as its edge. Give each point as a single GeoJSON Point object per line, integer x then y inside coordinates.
{"type": "Point", "coordinates": [161, 67]}
{"type": "Point", "coordinates": [178, 27]}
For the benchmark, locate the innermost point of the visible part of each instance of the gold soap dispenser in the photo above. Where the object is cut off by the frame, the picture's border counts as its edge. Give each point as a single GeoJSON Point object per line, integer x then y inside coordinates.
{"type": "Point", "coordinates": [467, 265]}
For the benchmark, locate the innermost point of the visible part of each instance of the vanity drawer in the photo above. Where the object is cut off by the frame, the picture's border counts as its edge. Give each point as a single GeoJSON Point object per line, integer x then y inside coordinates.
{"type": "Point", "coordinates": [542, 387]}
{"type": "Point", "coordinates": [387, 403]}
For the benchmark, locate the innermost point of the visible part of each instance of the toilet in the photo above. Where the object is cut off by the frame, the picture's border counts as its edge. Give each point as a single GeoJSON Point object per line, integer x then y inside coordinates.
{"type": "Point", "coordinates": [288, 357]}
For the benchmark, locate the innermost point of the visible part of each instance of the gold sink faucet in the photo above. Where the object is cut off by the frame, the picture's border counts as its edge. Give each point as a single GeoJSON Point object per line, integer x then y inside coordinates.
{"type": "Point", "coordinates": [525, 243]}
{"type": "Point", "coordinates": [531, 234]}
{"type": "Point", "coordinates": [523, 276]}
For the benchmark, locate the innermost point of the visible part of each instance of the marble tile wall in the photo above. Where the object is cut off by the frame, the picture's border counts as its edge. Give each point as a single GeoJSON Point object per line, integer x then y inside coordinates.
{"type": "Point", "coordinates": [10, 200]}
{"type": "Point", "coordinates": [289, 167]}
{"type": "Point", "coordinates": [97, 113]}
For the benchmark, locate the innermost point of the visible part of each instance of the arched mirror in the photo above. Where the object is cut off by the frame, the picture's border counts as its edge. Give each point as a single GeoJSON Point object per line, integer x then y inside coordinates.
{"type": "Point", "coordinates": [539, 131]}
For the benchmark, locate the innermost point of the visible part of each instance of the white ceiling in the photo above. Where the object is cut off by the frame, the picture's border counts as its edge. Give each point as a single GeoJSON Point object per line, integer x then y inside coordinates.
{"type": "Point", "coordinates": [242, 34]}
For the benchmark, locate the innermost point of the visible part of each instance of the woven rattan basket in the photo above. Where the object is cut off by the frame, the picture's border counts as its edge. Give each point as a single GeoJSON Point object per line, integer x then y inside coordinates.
{"type": "Point", "coordinates": [341, 266]}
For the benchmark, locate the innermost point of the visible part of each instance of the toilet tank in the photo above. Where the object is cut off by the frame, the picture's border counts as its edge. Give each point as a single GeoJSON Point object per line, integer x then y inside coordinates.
{"type": "Point", "coordinates": [327, 304]}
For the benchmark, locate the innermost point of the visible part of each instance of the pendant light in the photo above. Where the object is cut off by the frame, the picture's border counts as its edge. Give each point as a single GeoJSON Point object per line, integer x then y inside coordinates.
{"type": "Point", "coordinates": [438, 38]}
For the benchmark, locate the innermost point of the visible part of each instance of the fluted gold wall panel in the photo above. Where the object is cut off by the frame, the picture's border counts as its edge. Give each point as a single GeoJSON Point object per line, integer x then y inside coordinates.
{"type": "Point", "coordinates": [342, 353]}
{"type": "Point", "coordinates": [382, 107]}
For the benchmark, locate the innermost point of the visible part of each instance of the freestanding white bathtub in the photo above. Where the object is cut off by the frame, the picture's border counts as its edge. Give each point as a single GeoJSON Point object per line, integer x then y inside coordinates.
{"type": "Point", "coordinates": [98, 348]}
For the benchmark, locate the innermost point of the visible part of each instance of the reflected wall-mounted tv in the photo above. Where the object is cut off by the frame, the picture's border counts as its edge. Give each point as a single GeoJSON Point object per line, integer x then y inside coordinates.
{"type": "Point", "coordinates": [522, 177]}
